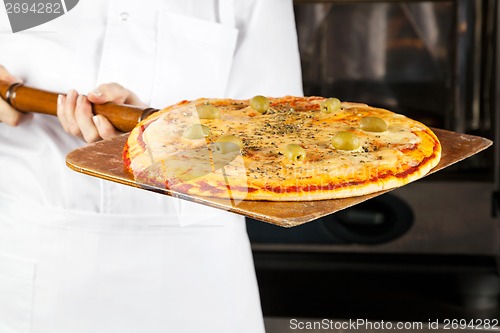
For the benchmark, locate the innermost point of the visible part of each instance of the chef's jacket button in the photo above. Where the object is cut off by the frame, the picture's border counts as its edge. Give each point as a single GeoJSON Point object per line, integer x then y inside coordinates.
{"type": "Point", "coordinates": [124, 16]}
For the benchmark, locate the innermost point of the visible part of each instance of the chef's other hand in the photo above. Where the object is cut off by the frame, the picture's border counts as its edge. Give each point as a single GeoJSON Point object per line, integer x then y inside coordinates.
{"type": "Point", "coordinates": [8, 114]}
{"type": "Point", "coordinates": [76, 117]}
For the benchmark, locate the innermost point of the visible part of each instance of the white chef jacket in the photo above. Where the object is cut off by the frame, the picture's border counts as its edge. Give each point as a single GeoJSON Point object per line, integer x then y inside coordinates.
{"type": "Point", "coordinates": [82, 255]}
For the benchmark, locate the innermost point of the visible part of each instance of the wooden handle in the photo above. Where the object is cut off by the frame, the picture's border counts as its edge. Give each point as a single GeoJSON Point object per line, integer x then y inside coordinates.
{"type": "Point", "coordinates": [26, 99]}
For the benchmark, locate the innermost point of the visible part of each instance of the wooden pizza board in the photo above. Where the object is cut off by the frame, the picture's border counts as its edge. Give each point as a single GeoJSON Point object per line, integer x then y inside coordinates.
{"type": "Point", "coordinates": [104, 160]}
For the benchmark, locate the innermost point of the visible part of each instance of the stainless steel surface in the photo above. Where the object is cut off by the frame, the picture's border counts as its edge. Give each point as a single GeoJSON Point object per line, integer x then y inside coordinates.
{"type": "Point", "coordinates": [443, 224]}
{"type": "Point", "coordinates": [435, 268]}
{"type": "Point", "coordinates": [437, 61]}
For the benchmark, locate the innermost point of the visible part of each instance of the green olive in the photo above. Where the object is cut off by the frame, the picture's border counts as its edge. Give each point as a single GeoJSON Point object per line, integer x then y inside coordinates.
{"type": "Point", "coordinates": [207, 111]}
{"type": "Point", "coordinates": [295, 153]}
{"type": "Point", "coordinates": [196, 132]}
{"type": "Point", "coordinates": [345, 141]}
{"type": "Point", "coordinates": [330, 105]}
{"type": "Point", "coordinates": [260, 104]}
{"type": "Point", "coordinates": [373, 124]}
{"type": "Point", "coordinates": [228, 143]}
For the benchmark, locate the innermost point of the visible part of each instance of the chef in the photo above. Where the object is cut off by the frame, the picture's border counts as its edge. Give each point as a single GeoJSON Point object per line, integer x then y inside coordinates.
{"type": "Point", "coordinates": [82, 255]}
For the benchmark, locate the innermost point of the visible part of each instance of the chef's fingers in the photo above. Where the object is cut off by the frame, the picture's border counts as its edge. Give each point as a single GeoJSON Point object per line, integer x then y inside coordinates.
{"type": "Point", "coordinates": [11, 116]}
{"type": "Point", "coordinates": [105, 128]}
{"type": "Point", "coordinates": [66, 113]}
{"type": "Point", "coordinates": [8, 114]}
{"type": "Point", "coordinates": [83, 117]}
{"type": "Point", "coordinates": [113, 92]}
{"type": "Point", "coordinates": [61, 102]}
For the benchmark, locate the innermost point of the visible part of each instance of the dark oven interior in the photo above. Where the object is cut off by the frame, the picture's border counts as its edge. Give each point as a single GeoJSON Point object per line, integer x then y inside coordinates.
{"type": "Point", "coordinates": [428, 250]}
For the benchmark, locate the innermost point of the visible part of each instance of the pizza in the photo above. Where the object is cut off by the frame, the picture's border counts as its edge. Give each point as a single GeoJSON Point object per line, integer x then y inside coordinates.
{"type": "Point", "coordinates": [278, 149]}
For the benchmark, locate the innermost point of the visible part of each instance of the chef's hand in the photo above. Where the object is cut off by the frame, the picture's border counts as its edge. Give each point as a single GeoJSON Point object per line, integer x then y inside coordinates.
{"type": "Point", "coordinates": [76, 117]}
{"type": "Point", "coordinates": [8, 114]}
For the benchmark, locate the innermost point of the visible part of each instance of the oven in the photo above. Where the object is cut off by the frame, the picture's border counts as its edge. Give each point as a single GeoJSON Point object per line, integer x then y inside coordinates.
{"type": "Point", "coordinates": [433, 245]}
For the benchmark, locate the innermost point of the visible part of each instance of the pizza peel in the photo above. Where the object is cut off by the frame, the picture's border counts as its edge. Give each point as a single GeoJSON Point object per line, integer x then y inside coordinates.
{"type": "Point", "coordinates": [104, 160]}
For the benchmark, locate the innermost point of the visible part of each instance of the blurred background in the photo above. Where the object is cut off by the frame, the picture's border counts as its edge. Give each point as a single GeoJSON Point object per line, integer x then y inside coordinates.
{"type": "Point", "coordinates": [430, 250]}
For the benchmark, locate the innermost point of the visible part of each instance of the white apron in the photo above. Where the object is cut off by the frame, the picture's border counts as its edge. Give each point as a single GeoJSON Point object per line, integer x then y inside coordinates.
{"type": "Point", "coordinates": [78, 254]}
{"type": "Point", "coordinates": [79, 273]}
